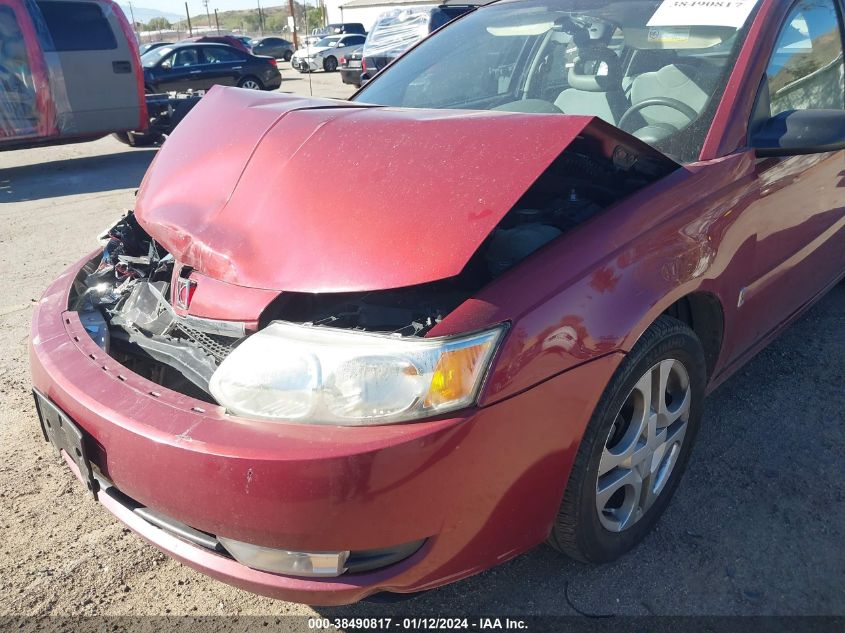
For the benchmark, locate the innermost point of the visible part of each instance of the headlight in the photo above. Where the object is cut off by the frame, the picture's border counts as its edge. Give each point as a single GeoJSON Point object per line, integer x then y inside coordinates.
{"type": "Point", "coordinates": [326, 376]}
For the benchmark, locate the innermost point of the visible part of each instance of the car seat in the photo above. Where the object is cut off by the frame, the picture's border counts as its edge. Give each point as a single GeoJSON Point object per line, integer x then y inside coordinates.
{"type": "Point", "coordinates": [595, 86]}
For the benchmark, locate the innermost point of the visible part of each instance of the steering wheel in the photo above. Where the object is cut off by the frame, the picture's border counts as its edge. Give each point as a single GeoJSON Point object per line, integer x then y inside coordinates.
{"type": "Point", "coordinates": [679, 106]}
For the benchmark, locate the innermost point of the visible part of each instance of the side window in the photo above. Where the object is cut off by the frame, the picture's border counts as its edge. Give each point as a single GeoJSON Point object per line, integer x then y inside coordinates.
{"type": "Point", "coordinates": [218, 55]}
{"type": "Point", "coordinates": [185, 57]}
{"type": "Point", "coordinates": [78, 26]}
{"type": "Point", "coordinates": [19, 114]}
{"type": "Point", "coordinates": [806, 71]}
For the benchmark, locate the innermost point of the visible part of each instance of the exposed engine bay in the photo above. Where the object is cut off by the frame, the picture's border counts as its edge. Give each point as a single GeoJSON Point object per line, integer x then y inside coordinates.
{"type": "Point", "coordinates": [123, 297]}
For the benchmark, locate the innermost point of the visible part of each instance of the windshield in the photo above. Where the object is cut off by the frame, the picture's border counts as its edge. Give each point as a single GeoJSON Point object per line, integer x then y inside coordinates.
{"type": "Point", "coordinates": [151, 58]}
{"type": "Point", "coordinates": [649, 67]}
{"type": "Point", "coordinates": [327, 42]}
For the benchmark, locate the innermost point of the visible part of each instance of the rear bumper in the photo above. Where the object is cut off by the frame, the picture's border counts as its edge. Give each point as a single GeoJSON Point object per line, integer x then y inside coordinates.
{"type": "Point", "coordinates": [273, 82]}
{"type": "Point", "coordinates": [351, 76]}
{"type": "Point", "coordinates": [481, 488]}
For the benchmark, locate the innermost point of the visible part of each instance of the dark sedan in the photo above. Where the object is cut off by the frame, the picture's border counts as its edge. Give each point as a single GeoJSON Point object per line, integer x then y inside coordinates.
{"type": "Point", "coordinates": [276, 47]}
{"type": "Point", "coordinates": [192, 66]}
{"type": "Point", "coordinates": [350, 67]}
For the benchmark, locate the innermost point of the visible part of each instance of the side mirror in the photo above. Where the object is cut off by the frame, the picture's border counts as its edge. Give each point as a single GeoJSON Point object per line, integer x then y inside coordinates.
{"type": "Point", "coordinates": [797, 132]}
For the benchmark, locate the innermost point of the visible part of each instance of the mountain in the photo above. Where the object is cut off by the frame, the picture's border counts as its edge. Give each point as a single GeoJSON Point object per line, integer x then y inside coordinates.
{"type": "Point", "coordinates": [145, 15]}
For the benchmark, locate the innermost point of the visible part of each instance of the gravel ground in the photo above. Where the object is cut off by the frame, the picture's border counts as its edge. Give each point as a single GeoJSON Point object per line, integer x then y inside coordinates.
{"type": "Point", "coordinates": [755, 528]}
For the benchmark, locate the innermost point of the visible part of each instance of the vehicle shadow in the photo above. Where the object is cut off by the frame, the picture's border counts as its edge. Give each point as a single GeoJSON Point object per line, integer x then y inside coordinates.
{"type": "Point", "coordinates": [71, 176]}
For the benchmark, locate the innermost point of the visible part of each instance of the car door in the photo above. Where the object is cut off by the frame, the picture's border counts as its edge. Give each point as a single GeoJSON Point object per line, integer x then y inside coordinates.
{"type": "Point", "coordinates": [269, 46]}
{"type": "Point", "coordinates": [347, 44]}
{"type": "Point", "coordinates": [98, 63]}
{"type": "Point", "coordinates": [799, 214]}
{"type": "Point", "coordinates": [220, 65]}
{"type": "Point", "coordinates": [181, 70]}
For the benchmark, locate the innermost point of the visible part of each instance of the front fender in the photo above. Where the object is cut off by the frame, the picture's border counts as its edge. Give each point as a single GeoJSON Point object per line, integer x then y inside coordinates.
{"type": "Point", "coordinates": [596, 290]}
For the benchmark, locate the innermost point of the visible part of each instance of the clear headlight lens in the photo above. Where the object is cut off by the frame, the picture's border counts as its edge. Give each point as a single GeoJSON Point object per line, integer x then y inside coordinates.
{"type": "Point", "coordinates": [326, 376]}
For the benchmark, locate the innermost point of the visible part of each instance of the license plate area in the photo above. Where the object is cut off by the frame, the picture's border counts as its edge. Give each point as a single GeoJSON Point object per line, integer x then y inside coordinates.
{"type": "Point", "coordinates": [65, 435]}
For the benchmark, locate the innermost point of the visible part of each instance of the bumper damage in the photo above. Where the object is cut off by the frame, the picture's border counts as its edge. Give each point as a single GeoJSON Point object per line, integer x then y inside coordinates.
{"type": "Point", "coordinates": [302, 488]}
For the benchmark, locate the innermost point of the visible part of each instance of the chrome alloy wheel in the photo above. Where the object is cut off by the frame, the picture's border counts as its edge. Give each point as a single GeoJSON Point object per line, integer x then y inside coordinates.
{"type": "Point", "coordinates": [251, 84]}
{"type": "Point", "coordinates": [643, 445]}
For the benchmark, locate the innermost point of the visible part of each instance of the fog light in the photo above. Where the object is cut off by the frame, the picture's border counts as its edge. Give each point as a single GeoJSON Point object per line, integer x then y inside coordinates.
{"type": "Point", "coordinates": [279, 561]}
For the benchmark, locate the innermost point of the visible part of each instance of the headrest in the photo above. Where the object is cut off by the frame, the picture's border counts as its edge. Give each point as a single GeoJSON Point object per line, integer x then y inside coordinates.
{"type": "Point", "coordinates": [606, 70]}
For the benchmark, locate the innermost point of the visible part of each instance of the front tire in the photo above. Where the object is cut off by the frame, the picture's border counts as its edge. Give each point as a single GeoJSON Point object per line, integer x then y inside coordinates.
{"type": "Point", "coordinates": [330, 64]}
{"type": "Point", "coordinates": [636, 446]}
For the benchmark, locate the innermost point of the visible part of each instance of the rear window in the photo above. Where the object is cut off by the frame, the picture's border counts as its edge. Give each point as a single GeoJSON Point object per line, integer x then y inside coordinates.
{"type": "Point", "coordinates": [78, 26]}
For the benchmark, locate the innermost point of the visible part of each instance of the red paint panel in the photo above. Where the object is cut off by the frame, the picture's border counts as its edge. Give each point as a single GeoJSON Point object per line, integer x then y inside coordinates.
{"type": "Point", "coordinates": [292, 485]}
{"type": "Point", "coordinates": [302, 195]}
{"type": "Point", "coordinates": [38, 67]}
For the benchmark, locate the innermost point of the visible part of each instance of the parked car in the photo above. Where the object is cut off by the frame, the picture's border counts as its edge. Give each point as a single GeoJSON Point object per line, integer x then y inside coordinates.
{"type": "Point", "coordinates": [350, 67]}
{"type": "Point", "coordinates": [69, 71]}
{"type": "Point", "coordinates": [189, 66]}
{"type": "Point", "coordinates": [324, 55]}
{"type": "Point", "coordinates": [229, 40]}
{"type": "Point", "coordinates": [272, 46]}
{"type": "Point", "coordinates": [343, 28]}
{"type": "Point", "coordinates": [246, 41]}
{"type": "Point", "coordinates": [578, 219]}
{"type": "Point", "coordinates": [146, 48]}
{"type": "Point", "coordinates": [399, 29]}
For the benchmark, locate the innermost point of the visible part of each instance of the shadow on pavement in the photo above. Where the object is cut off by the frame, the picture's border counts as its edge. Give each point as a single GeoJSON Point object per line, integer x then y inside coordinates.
{"type": "Point", "coordinates": [88, 174]}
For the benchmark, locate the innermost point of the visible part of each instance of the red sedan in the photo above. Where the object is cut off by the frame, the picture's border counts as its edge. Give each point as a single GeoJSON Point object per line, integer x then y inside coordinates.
{"type": "Point", "coordinates": [343, 348]}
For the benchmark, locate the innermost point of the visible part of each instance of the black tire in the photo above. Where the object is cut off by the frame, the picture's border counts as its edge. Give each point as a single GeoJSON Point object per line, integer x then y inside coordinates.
{"type": "Point", "coordinates": [135, 139]}
{"type": "Point", "coordinates": [578, 531]}
{"type": "Point", "coordinates": [288, 56]}
{"type": "Point", "coordinates": [330, 64]}
{"type": "Point", "coordinates": [248, 81]}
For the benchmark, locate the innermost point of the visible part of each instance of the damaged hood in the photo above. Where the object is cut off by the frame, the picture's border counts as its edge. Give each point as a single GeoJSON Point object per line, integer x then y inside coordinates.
{"type": "Point", "coordinates": [310, 195]}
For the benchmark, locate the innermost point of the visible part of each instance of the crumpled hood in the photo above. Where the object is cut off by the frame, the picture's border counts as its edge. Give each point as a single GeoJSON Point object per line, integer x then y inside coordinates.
{"type": "Point", "coordinates": [310, 195]}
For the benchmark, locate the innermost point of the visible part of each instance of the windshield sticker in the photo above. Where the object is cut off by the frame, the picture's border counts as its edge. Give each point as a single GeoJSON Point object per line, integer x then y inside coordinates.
{"type": "Point", "coordinates": [668, 34]}
{"type": "Point", "coordinates": [702, 13]}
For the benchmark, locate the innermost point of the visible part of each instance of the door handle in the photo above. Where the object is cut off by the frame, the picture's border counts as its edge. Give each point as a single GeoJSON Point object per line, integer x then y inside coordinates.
{"type": "Point", "coordinates": [195, 72]}
{"type": "Point", "coordinates": [237, 67]}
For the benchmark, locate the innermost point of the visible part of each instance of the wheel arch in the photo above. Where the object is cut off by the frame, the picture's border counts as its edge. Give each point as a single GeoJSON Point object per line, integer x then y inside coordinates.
{"type": "Point", "coordinates": [702, 311]}
{"type": "Point", "coordinates": [699, 309]}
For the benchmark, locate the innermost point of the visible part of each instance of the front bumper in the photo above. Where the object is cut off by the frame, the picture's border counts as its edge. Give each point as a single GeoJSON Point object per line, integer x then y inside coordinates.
{"type": "Point", "coordinates": [303, 64]}
{"type": "Point", "coordinates": [480, 488]}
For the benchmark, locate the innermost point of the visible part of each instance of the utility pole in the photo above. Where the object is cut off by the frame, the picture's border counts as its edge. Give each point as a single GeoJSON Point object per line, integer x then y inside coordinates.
{"type": "Point", "coordinates": [217, 21]}
{"type": "Point", "coordinates": [188, 13]}
{"type": "Point", "coordinates": [134, 25]}
{"type": "Point", "coordinates": [260, 19]}
{"type": "Point", "coordinates": [293, 17]}
{"type": "Point", "coordinates": [207, 14]}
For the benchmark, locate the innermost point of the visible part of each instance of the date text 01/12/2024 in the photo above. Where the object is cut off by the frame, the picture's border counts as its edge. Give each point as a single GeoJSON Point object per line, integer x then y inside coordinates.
{"type": "Point", "coordinates": [424, 624]}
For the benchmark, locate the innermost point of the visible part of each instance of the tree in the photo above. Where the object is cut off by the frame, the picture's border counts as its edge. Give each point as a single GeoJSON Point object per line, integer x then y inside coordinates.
{"type": "Point", "coordinates": [314, 18]}
{"type": "Point", "coordinates": [158, 24]}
